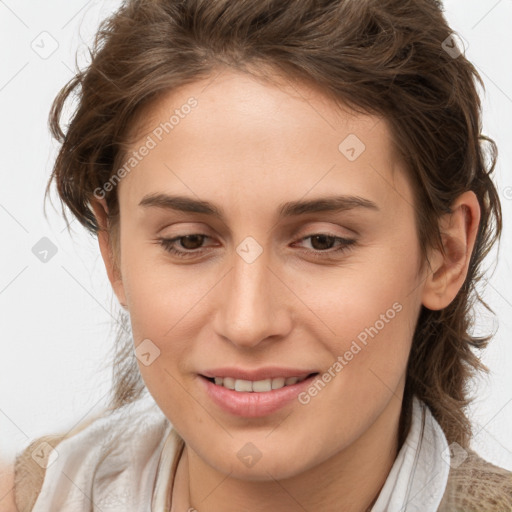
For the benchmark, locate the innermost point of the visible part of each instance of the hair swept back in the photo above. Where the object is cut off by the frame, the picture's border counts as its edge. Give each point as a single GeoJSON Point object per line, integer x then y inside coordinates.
{"type": "Point", "coordinates": [383, 57]}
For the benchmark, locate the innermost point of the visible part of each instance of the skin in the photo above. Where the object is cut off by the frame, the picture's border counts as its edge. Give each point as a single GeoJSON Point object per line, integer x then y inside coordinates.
{"type": "Point", "coordinates": [249, 146]}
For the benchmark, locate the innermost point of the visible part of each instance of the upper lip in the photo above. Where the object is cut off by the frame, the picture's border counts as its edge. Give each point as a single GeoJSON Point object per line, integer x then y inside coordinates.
{"type": "Point", "coordinates": [269, 372]}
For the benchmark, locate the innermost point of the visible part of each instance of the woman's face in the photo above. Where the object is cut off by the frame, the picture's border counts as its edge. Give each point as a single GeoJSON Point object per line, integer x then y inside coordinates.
{"type": "Point", "coordinates": [300, 256]}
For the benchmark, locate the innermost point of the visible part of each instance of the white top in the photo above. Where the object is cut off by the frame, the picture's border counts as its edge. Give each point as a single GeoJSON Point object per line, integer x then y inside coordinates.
{"type": "Point", "coordinates": [125, 461]}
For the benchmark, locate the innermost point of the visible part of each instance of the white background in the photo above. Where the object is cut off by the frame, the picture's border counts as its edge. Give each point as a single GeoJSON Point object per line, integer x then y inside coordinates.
{"type": "Point", "coordinates": [57, 322]}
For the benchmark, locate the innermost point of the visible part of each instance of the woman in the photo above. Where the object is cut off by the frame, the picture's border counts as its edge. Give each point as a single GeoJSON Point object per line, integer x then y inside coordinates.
{"type": "Point", "coordinates": [292, 203]}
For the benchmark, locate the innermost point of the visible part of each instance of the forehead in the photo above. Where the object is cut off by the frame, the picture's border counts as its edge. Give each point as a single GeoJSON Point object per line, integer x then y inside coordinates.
{"type": "Point", "coordinates": [233, 131]}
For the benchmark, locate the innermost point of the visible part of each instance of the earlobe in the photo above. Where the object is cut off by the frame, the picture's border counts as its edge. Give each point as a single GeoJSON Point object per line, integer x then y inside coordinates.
{"type": "Point", "coordinates": [448, 271]}
{"type": "Point", "coordinates": [100, 209]}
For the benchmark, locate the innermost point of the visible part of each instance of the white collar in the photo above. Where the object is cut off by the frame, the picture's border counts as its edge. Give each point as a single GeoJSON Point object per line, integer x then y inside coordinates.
{"type": "Point", "coordinates": [418, 477]}
{"type": "Point", "coordinates": [166, 472]}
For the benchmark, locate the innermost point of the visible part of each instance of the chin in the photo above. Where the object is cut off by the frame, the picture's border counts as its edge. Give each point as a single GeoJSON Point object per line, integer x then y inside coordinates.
{"type": "Point", "coordinates": [244, 461]}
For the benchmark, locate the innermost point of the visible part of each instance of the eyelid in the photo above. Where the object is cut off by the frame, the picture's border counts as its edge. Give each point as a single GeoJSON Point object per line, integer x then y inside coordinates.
{"type": "Point", "coordinates": [304, 228]}
{"type": "Point", "coordinates": [319, 227]}
{"type": "Point", "coordinates": [190, 228]}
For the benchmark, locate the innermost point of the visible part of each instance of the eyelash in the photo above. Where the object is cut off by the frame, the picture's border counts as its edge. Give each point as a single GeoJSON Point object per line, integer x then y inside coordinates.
{"type": "Point", "coordinates": [168, 245]}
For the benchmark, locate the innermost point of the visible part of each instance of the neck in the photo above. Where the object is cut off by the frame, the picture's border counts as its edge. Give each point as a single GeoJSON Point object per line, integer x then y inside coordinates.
{"type": "Point", "coordinates": [350, 480]}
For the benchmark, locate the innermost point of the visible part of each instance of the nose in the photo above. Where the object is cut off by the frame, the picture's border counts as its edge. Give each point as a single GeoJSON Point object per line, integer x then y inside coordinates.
{"type": "Point", "coordinates": [252, 307]}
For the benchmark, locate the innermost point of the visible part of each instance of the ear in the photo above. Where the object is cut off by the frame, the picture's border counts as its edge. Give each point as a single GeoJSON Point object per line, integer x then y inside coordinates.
{"type": "Point", "coordinates": [448, 271]}
{"type": "Point", "coordinates": [113, 271]}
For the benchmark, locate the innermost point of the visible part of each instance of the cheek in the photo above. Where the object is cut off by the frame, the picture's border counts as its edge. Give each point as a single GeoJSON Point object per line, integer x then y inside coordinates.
{"type": "Point", "coordinates": [372, 326]}
{"type": "Point", "coordinates": [369, 314]}
{"type": "Point", "coordinates": [168, 307]}
{"type": "Point", "coordinates": [160, 294]}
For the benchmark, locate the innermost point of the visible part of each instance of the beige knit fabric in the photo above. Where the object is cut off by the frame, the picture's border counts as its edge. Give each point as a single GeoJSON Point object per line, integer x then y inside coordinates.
{"type": "Point", "coordinates": [29, 474]}
{"type": "Point", "coordinates": [474, 486]}
{"type": "Point", "coordinates": [477, 486]}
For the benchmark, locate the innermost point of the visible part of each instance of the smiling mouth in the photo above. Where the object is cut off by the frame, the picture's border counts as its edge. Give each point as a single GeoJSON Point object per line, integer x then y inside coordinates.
{"type": "Point", "coordinates": [259, 386]}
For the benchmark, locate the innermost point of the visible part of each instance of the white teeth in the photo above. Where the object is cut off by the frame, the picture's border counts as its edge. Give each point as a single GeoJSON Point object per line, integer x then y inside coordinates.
{"type": "Point", "coordinates": [278, 382]}
{"type": "Point", "coordinates": [258, 386]}
{"type": "Point", "coordinates": [243, 385]}
{"type": "Point", "coordinates": [228, 382]}
{"type": "Point", "coordinates": [262, 385]}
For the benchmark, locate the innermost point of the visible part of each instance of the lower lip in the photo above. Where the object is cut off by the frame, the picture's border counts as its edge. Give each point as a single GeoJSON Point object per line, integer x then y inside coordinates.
{"type": "Point", "coordinates": [254, 404]}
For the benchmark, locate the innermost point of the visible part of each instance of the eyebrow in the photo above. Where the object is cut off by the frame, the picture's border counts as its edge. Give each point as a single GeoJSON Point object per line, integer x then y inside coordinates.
{"type": "Point", "coordinates": [289, 209]}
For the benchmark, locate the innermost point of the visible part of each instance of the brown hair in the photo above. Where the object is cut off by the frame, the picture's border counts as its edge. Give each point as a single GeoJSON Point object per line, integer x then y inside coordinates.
{"type": "Point", "coordinates": [383, 57]}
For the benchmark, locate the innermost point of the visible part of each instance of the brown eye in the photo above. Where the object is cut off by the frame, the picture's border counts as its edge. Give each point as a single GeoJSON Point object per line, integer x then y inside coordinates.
{"type": "Point", "coordinates": [192, 242]}
{"type": "Point", "coordinates": [185, 246]}
{"type": "Point", "coordinates": [322, 242]}
{"type": "Point", "coordinates": [325, 245]}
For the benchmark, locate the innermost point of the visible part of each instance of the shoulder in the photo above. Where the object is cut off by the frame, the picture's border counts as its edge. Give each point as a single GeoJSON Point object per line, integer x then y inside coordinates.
{"type": "Point", "coordinates": [7, 502]}
{"type": "Point", "coordinates": [29, 470]}
{"type": "Point", "coordinates": [477, 485]}
{"type": "Point", "coordinates": [94, 452]}
{"type": "Point", "coordinates": [30, 466]}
